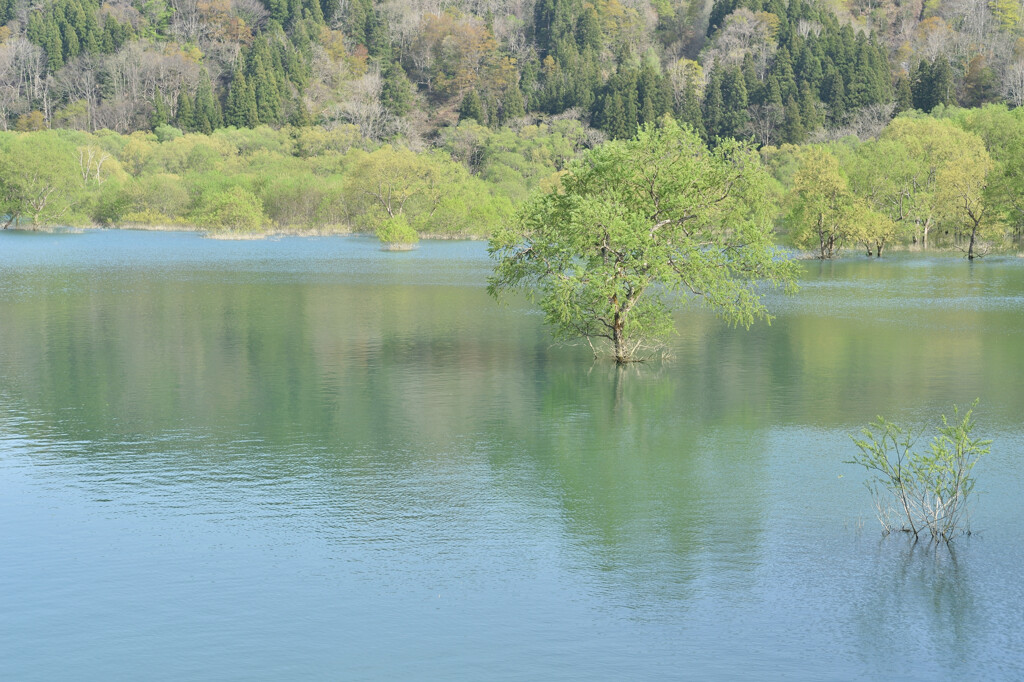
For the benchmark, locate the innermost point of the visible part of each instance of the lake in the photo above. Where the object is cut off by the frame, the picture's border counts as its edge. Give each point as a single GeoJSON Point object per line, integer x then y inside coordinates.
{"type": "Point", "coordinates": [311, 459]}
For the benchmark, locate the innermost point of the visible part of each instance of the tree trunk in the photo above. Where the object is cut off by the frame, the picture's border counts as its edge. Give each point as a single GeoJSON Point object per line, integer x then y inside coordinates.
{"type": "Point", "coordinates": [619, 341]}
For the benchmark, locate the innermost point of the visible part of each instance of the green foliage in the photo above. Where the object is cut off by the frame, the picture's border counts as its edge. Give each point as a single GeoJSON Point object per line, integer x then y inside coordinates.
{"type": "Point", "coordinates": [432, 193]}
{"type": "Point", "coordinates": [597, 61]}
{"type": "Point", "coordinates": [235, 209]}
{"type": "Point", "coordinates": [166, 133]}
{"type": "Point", "coordinates": [917, 491]}
{"type": "Point", "coordinates": [397, 231]}
{"type": "Point", "coordinates": [396, 91]}
{"type": "Point", "coordinates": [634, 227]}
{"type": "Point", "coordinates": [40, 180]}
{"type": "Point", "coordinates": [161, 114]}
{"type": "Point", "coordinates": [472, 108]}
{"type": "Point", "coordinates": [930, 172]}
{"type": "Point", "coordinates": [822, 210]}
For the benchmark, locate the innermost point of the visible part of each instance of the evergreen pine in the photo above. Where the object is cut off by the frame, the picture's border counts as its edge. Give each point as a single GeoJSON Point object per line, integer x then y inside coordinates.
{"type": "Point", "coordinates": [249, 109]}
{"type": "Point", "coordinates": [378, 38]}
{"type": "Point", "coordinates": [904, 98]}
{"type": "Point", "coordinates": [713, 107]}
{"type": "Point", "coordinates": [733, 122]}
{"type": "Point", "coordinates": [834, 96]}
{"type": "Point", "coordinates": [206, 112]}
{"type": "Point", "coordinates": [315, 11]}
{"type": "Point", "coordinates": [184, 117]}
{"type": "Point", "coordinates": [512, 107]}
{"type": "Point", "coordinates": [921, 86]}
{"type": "Point", "coordinates": [267, 97]}
{"type": "Point", "coordinates": [294, 13]}
{"type": "Point", "coordinates": [792, 129]}
{"type": "Point", "coordinates": [630, 114]}
{"type": "Point", "coordinates": [614, 119]}
{"type": "Point", "coordinates": [812, 113]}
{"type": "Point", "coordinates": [396, 92]}
{"type": "Point", "coordinates": [472, 108]}
{"type": "Point", "coordinates": [588, 30]}
{"type": "Point", "coordinates": [688, 110]}
{"type": "Point", "coordinates": [54, 48]}
{"type": "Point", "coordinates": [783, 70]}
{"type": "Point", "coordinates": [241, 109]}
{"type": "Point", "coordinates": [160, 116]}
{"type": "Point", "coordinates": [755, 89]}
{"type": "Point", "coordinates": [300, 117]}
{"type": "Point", "coordinates": [943, 90]}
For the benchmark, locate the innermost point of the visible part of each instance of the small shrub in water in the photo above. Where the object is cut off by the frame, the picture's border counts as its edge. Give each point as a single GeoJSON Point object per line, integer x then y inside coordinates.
{"type": "Point", "coordinates": [927, 491]}
{"type": "Point", "coordinates": [397, 231]}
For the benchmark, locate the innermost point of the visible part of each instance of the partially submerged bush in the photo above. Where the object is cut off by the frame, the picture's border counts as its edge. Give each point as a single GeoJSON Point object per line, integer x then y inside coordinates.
{"type": "Point", "coordinates": [235, 209]}
{"type": "Point", "coordinates": [396, 231]}
{"type": "Point", "coordinates": [919, 491]}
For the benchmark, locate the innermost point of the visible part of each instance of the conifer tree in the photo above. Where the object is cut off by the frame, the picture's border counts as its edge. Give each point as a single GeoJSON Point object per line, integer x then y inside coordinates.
{"type": "Point", "coordinates": [300, 117]}
{"type": "Point", "coordinates": [267, 97]}
{"type": "Point", "coordinates": [184, 117]}
{"type": "Point", "coordinates": [834, 96]}
{"type": "Point", "coordinates": [792, 129]}
{"type": "Point", "coordinates": [812, 113]}
{"type": "Point", "coordinates": [294, 13]}
{"type": "Point", "coordinates": [904, 98]}
{"type": "Point", "coordinates": [396, 93]}
{"type": "Point", "coordinates": [783, 70]}
{"type": "Point", "coordinates": [942, 87]}
{"type": "Point", "coordinates": [54, 48]}
{"type": "Point", "coordinates": [755, 89]}
{"type": "Point", "coordinates": [378, 42]}
{"type": "Point", "coordinates": [733, 122]}
{"type": "Point", "coordinates": [774, 92]}
{"type": "Point", "coordinates": [512, 107]}
{"type": "Point", "coordinates": [921, 86]}
{"type": "Point", "coordinates": [315, 11]}
{"type": "Point", "coordinates": [630, 112]}
{"type": "Point", "coordinates": [588, 30]}
{"type": "Point", "coordinates": [249, 109]}
{"type": "Point", "coordinates": [240, 110]}
{"type": "Point", "coordinates": [160, 116]}
{"type": "Point", "coordinates": [472, 108]}
{"type": "Point", "coordinates": [688, 110]}
{"type": "Point", "coordinates": [206, 114]}
{"type": "Point", "coordinates": [713, 107]}
{"type": "Point", "coordinates": [614, 120]}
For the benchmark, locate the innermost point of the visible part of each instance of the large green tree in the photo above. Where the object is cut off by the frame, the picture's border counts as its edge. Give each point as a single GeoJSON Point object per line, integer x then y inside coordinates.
{"type": "Point", "coordinates": [822, 209]}
{"type": "Point", "coordinates": [40, 179]}
{"type": "Point", "coordinates": [635, 229]}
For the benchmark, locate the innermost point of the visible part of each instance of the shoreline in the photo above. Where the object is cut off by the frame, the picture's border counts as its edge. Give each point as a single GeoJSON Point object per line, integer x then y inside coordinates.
{"type": "Point", "coordinates": [230, 235]}
{"type": "Point", "coordinates": [344, 231]}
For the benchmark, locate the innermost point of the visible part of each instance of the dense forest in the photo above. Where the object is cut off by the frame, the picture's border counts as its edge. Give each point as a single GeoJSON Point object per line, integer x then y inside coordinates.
{"type": "Point", "coordinates": [443, 115]}
{"type": "Point", "coordinates": [777, 71]}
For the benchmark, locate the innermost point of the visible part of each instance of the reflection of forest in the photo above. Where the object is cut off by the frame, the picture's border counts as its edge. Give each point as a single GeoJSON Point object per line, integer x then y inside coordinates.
{"type": "Point", "coordinates": [651, 464]}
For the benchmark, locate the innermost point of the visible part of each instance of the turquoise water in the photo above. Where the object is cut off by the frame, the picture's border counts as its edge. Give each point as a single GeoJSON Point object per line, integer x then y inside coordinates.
{"type": "Point", "coordinates": [307, 458]}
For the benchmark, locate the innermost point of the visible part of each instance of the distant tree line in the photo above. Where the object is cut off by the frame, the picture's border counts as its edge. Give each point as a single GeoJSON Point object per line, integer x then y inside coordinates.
{"type": "Point", "coordinates": [774, 71]}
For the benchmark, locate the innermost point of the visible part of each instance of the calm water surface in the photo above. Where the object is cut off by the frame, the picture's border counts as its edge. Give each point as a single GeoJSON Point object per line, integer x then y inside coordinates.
{"type": "Point", "coordinates": [307, 458]}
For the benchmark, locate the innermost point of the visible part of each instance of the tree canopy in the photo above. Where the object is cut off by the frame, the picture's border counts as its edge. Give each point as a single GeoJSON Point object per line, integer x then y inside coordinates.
{"type": "Point", "coordinates": [638, 227]}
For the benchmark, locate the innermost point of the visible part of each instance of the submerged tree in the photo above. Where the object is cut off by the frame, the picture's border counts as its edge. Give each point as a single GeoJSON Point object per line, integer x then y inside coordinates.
{"type": "Point", "coordinates": [822, 208]}
{"type": "Point", "coordinates": [634, 228]}
{"type": "Point", "coordinates": [928, 491]}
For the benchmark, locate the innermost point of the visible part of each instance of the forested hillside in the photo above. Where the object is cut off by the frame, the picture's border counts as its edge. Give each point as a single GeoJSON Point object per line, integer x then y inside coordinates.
{"type": "Point", "coordinates": [439, 118]}
{"type": "Point", "coordinates": [767, 69]}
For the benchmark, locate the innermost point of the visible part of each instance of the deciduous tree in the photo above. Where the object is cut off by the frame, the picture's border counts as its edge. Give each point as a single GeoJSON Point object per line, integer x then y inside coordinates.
{"type": "Point", "coordinates": [636, 227]}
